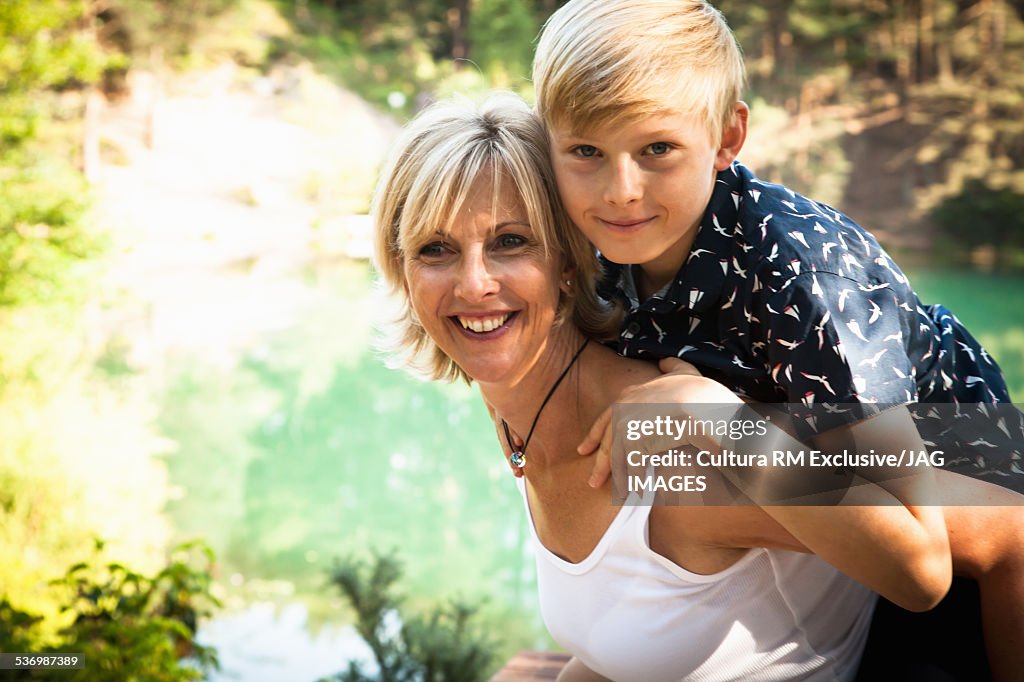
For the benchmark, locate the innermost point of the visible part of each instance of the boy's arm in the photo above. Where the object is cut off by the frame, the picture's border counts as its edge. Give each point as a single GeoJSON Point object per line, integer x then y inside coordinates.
{"type": "Point", "coordinates": [889, 541]}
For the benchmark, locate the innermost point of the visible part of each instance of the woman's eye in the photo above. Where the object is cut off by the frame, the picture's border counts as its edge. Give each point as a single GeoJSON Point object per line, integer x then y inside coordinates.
{"type": "Point", "coordinates": [659, 148]}
{"type": "Point", "coordinates": [510, 241]}
{"type": "Point", "coordinates": [585, 150]}
{"type": "Point", "coordinates": [433, 250]}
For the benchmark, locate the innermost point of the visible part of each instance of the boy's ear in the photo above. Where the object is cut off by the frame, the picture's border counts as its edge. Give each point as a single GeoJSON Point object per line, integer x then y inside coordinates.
{"type": "Point", "coordinates": [733, 137]}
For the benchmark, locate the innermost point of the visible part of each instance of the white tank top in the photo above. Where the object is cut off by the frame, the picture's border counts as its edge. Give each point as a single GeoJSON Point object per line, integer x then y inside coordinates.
{"type": "Point", "coordinates": [630, 614]}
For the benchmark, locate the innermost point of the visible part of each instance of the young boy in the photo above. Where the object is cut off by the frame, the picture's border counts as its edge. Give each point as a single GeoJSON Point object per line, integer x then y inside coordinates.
{"type": "Point", "coordinates": [780, 298]}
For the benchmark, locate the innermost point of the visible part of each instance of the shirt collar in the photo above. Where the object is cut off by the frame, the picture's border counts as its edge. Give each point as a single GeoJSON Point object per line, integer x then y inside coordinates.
{"type": "Point", "coordinates": [698, 284]}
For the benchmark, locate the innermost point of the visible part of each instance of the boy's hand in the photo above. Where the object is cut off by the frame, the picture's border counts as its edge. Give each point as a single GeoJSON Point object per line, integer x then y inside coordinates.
{"type": "Point", "coordinates": [674, 386]}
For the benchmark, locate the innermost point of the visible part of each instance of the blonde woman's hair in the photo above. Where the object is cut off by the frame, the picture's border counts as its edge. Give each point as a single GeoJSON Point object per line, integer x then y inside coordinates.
{"type": "Point", "coordinates": [601, 62]}
{"type": "Point", "coordinates": [433, 169]}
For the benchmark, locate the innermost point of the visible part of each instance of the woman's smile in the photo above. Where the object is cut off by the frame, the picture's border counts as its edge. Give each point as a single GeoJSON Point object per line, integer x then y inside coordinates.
{"type": "Point", "coordinates": [486, 291]}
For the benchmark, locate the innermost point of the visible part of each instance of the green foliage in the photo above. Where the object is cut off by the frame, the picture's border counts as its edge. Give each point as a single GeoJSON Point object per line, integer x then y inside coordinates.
{"type": "Point", "coordinates": [980, 215]}
{"type": "Point", "coordinates": [441, 646]}
{"type": "Point", "coordinates": [42, 205]}
{"type": "Point", "coordinates": [501, 35]}
{"type": "Point", "coordinates": [43, 45]}
{"type": "Point", "coordinates": [127, 625]}
{"type": "Point", "coordinates": [143, 28]}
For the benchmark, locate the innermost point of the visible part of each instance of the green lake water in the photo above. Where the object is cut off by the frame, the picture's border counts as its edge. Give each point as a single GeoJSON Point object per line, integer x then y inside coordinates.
{"type": "Point", "coordinates": [307, 448]}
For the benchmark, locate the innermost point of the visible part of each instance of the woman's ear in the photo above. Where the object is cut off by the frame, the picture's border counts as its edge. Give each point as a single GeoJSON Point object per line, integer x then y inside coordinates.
{"type": "Point", "coordinates": [733, 137]}
{"type": "Point", "coordinates": [568, 279]}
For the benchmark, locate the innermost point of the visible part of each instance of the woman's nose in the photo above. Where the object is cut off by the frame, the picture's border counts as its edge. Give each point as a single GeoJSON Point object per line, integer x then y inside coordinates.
{"type": "Point", "coordinates": [624, 183]}
{"type": "Point", "coordinates": [476, 278]}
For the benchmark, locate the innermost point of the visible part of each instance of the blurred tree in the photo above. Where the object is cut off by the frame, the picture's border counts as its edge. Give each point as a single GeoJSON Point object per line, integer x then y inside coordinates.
{"type": "Point", "coordinates": [46, 46]}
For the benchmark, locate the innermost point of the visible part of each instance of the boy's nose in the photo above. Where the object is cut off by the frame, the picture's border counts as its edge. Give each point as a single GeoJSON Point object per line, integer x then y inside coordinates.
{"type": "Point", "coordinates": [624, 186]}
{"type": "Point", "coordinates": [476, 278]}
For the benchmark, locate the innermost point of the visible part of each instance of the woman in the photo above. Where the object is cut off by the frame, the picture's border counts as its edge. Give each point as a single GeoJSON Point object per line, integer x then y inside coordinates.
{"type": "Point", "coordinates": [499, 291]}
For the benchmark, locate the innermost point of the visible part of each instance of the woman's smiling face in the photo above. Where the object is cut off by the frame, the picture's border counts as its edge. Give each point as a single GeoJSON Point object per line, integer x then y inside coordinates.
{"type": "Point", "coordinates": [486, 292]}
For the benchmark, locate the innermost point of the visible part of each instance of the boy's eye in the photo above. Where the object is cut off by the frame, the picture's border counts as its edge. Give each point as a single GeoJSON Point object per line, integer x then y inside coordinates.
{"type": "Point", "coordinates": [659, 148]}
{"type": "Point", "coordinates": [585, 150]}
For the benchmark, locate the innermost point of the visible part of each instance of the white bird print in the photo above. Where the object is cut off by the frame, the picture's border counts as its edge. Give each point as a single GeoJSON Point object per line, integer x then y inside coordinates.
{"type": "Point", "coordinates": [873, 287]}
{"type": "Point", "coordinates": [842, 298]}
{"type": "Point", "coordinates": [792, 311]}
{"type": "Point", "coordinates": [855, 328]}
{"type": "Point", "coordinates": [899, 373]}
{"type": "Point", "coordinates": [789, 204]}
{"type": "Point", "coordinates": [684, 350]}
{"type": "Point", "coordinates": [867, 246]}
{"type": "Point", "coordinates": [791, 345]}
{"type": "Point", "coordinates": [729, 301]}
{"type": "Point", "coordinates": [873, 361]}
{"type": "Point", "coordinates": [775, 371]}
{"type": "Point", "coordinates": [826, 249]}
{"type": "Point", "coordinates": [799, 236]}
{"type": "Point", "coordinates": [718, 228]}
{"type": "Point", "coordinates": [816, 288]}
{"type": "Point", "coordinates": [755, 194]}
{"type": "Point", "coordinates": [736, 198]}
{"type": "Point", "coordinates": [982, 441]}
{"type": "Point", "coordinates": [794, 265]}
{"type": "Point", "coordinates": [764, 226]}
{"type": "Point", "coordinates": [694, 321]}
{"type": "Point", "coordinates": [967, 349]}
{"type": "Point", "coordinates": [724, 262]}
{"type": "Point", "coordinates": [985, 357]}
{"type": "Point", "coordinates": [819, 228]}
{"type": "Point", "coordinates": [769, 307]}
{"type": "Point", "coordinates": [808, 398]}
{"type": "Point", "coordinates": [833, 409]}
{"type": "Point", "coordinates": [905, 306]}
{"type": "Point", "coordinates": [737, 269]}
{"type": "Point", "coordinates": [820, 328]}
{"type": "Point", "coordinates": [661, 332]}
{"type": "Point", "coordinates": [757, 285]}
{"type": "Point", "coordinates": [821, 380]}
{"type": "Point", "coordinates": [695, 296]}
{"type": "Point", "coordinates": [850, 261]}
{"type": "Point", "coordinates": [897, 337]}
{"type": "Point", "coordinates": [750, 318]}
{"type": "Point", "coordinates": [739, 363]}
{"type": "Point", "coordinates": [973, 380]}
{"type": "Point", "coordinates": [876, 312]}
{"type": "Point", "coordinates": [697, 253]}
{"type": "Point", "coordinates": [774, 254]}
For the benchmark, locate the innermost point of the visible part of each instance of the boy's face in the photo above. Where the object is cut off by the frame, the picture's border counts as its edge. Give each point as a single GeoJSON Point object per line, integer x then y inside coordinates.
{"type": "Point", "coordinates": [639, 190]}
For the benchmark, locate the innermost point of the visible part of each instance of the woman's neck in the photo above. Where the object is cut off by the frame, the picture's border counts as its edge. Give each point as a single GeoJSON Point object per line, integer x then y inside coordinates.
{"type": "Point", "coordinates": [518, 401]}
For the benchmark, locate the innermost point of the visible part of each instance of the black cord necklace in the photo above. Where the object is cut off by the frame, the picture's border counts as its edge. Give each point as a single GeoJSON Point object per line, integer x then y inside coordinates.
{"type": "Point", "coordinates": [518, 457]}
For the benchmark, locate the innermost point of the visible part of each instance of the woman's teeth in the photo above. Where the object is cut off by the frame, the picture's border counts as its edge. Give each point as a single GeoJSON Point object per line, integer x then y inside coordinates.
{"type": "Point", "coordinates": [483, 324]}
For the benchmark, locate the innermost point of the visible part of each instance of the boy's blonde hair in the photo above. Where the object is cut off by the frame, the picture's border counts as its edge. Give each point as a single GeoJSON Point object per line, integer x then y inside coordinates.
{"type": "Point", "coordinates": [437, 161]}
{"type": "Point", "coordinates": [601, 62]}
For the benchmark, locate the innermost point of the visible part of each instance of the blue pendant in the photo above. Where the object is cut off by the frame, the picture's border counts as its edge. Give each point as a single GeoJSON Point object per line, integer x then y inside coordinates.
{"type": "Point", "coordinates": [518, 459]}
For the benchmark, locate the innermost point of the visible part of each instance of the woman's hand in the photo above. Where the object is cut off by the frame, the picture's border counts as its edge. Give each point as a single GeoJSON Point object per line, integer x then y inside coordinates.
{"type": "Point", "coordinates": [680, 383]}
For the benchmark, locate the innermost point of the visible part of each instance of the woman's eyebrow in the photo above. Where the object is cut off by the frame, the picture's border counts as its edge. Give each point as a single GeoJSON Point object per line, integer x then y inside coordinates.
{"type": "Point", "coordinates": [506, 223]}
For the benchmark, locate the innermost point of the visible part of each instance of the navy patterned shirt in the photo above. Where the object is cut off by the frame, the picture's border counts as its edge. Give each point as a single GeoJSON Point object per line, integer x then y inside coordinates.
{"type": "Point", "coordinates": [786, 300]}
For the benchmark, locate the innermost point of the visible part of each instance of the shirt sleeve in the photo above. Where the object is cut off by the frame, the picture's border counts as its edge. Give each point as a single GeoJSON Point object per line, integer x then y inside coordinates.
{"type": "Point", "coordinates": [832, 339]}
